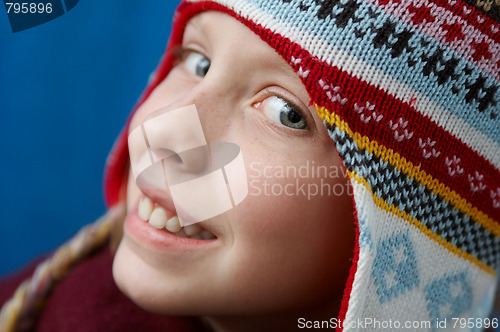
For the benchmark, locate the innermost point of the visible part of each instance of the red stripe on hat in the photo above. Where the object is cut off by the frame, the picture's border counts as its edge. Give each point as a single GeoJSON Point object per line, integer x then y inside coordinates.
{"type": "Point", "coordinates": [471, 14]}
{"type": "Point", "coordinates": [352, 272]}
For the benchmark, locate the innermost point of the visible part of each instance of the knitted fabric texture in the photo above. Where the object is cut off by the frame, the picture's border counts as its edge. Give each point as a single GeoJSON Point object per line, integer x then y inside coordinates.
{"type": "Point", "coordinates": [409, 91]}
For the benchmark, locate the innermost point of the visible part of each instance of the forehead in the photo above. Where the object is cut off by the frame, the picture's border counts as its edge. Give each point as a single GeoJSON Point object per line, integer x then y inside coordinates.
{"type": "Point", "coordinates": [224, 35]}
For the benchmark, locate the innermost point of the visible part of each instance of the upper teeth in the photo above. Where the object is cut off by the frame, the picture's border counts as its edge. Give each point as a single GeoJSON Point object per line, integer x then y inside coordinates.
{"type": "Point", "coordinates": [158, 218]}
{"type": "Point", "coordinates": [145, 209]}
{"type": "Point", "coordinates": [173, 225]}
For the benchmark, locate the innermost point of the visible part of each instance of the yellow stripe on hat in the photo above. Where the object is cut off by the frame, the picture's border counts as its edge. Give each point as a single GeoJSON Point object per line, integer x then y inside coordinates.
{"type": "Point", "coordinates": [412, 171]}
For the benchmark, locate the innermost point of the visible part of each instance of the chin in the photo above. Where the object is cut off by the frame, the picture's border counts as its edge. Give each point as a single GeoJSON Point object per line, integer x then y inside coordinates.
{"type": "Point", "coordinates": [137, 280]}
{"type": "Point", "coordinates": [152, 289]}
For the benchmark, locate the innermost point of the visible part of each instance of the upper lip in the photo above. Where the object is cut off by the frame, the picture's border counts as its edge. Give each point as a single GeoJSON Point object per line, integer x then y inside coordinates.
{"type": "Point", "coordinates": [164, 199]}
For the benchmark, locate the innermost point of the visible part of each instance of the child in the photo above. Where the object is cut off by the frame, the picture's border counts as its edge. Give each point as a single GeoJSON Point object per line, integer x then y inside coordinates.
{"type": "Point", "coordinates": [408, 92]}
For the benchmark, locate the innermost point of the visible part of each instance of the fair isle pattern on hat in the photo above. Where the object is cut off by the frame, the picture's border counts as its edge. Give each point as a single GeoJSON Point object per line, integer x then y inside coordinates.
{"type": "Point", "coordinates": [409, 91]}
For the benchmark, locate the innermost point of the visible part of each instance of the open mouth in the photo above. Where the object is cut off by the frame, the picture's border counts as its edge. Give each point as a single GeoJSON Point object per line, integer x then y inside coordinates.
{"type": "Point", "coordinates": [158, 218]}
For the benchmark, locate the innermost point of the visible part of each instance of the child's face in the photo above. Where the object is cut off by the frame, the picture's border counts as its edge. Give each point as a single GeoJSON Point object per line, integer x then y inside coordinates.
{"type": "Point", "coordinates": [273, 253]}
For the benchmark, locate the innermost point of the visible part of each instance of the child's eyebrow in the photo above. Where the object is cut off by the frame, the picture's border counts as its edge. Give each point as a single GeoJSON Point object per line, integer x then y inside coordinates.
{"type": "Point", "coordinates": [285, 68]}
{"type": "Point", "coordinates": [197, 25]}
{"type": "Point", "coordinates": [176, 51]}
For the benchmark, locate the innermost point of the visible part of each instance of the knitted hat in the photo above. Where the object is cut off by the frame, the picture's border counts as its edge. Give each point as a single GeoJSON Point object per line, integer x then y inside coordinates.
{"type": "Point", "coordinates": [409, 92]}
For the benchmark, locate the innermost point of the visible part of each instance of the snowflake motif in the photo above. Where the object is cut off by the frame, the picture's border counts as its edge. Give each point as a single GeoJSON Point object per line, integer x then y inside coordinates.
{"type": "Point", "coordinates": [332, 92]}
{"type": "Point", "coordinates": [466, 10]}
{"type": "Point", "coordinates": [428, 149]}
{"type": "Point", "coordinates": [494, 29]}
{"type": "Point", "coordinates": [303, 73]}
{"type": "Point", "coordinates": [495, 196]}
{"type": "Point", "coordinates": [476, 182]}
{"type": "Point", "coordinates": [296, 61]}
{"type": "Point", "coordinates": [371, 110]}
{"type": "Point", "coordinates": [400, 130]}
{"type": "Point", "coordinates": [453, 166]}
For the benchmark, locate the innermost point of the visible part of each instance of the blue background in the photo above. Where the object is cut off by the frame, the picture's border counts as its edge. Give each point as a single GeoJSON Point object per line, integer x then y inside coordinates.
{"type": "Point", "coordinates": [66, 89]}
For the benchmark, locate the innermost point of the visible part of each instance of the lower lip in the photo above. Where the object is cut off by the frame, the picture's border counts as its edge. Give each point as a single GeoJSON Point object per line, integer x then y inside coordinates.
{"type": "Point", "coordinates": [160, 240]}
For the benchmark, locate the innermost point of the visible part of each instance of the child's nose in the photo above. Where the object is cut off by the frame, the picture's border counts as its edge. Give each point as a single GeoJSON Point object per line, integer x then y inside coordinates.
{"type": "Point", "coordinates": [174, 137]}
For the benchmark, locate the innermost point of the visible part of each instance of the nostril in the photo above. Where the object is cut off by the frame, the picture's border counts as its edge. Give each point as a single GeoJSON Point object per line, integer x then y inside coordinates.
{"type": "Point", "coordinates": [163, 153]}
{"type": "Point", "coordinates": [188, 165]}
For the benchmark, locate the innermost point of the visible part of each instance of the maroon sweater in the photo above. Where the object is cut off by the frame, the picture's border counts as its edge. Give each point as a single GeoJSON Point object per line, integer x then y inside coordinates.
{"type": "Point", "coordinates": [88, 300]}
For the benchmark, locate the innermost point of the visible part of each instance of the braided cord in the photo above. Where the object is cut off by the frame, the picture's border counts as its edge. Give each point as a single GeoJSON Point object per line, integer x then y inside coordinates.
{"type": "Point", "coordinates": [20, 311]}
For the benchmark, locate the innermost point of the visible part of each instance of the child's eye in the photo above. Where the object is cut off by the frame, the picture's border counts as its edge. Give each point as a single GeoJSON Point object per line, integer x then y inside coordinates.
{"type": "Point", "coordinates": [283, 112]}
{"type": "Point", "coordinates": [197, 64]}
